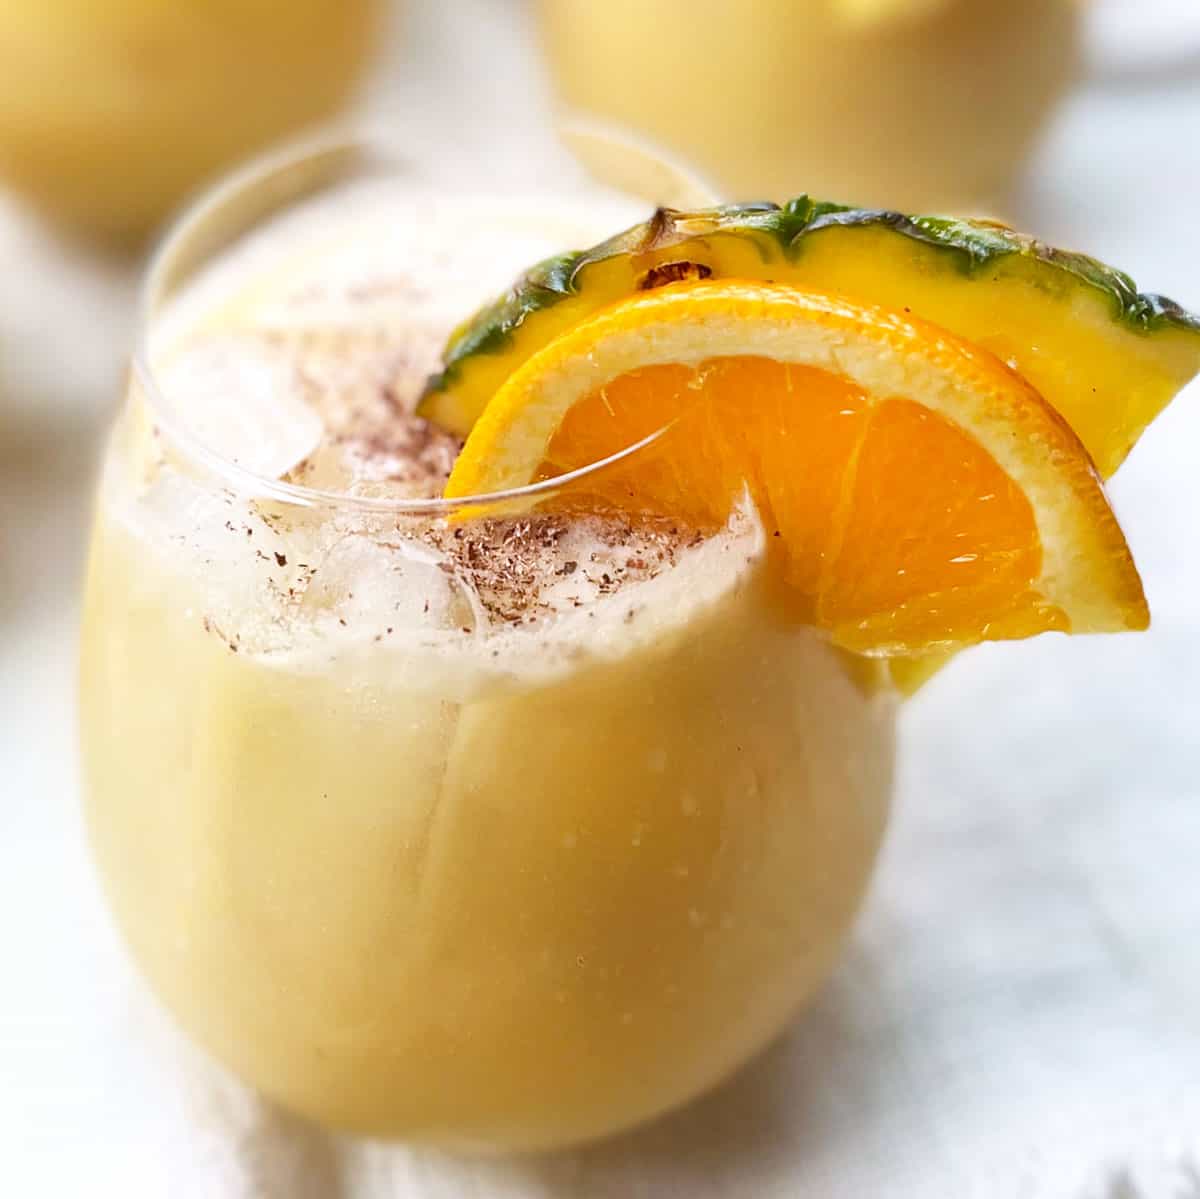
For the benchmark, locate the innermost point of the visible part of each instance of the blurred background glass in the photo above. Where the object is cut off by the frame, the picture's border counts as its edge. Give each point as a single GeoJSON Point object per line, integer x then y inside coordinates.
{"type": "Point", "coordinates": [920, 105]}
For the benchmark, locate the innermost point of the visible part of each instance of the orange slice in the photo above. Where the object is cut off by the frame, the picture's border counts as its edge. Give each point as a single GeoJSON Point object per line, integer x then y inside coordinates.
{"type": "Point", "coordinates": [919, 494]}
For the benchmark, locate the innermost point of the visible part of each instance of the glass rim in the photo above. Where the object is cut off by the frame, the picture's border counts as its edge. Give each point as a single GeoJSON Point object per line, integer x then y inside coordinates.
{"type": "Point", "coordinates": [343, 142]}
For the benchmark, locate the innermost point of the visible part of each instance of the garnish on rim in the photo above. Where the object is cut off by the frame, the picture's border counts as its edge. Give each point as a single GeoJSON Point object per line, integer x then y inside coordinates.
{"type": "Point", "coordinates": [922, 409]}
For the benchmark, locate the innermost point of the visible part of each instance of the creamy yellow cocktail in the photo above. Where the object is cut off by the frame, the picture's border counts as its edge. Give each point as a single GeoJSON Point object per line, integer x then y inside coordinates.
{"type": "Point", "coordinates": [503, 833]}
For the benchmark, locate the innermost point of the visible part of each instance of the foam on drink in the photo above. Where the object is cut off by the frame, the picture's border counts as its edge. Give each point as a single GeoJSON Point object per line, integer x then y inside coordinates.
{"type": "Point", "coordinates": [300, 356]}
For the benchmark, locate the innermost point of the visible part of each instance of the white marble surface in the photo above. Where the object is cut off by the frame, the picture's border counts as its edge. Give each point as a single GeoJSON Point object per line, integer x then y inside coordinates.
{"type": "Point", "coordinates": [1019, 1017]}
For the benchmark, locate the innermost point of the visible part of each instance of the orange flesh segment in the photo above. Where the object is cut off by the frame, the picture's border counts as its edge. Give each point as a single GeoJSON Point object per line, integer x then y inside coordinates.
{"type": "Point", "coordinates": [895, 526]}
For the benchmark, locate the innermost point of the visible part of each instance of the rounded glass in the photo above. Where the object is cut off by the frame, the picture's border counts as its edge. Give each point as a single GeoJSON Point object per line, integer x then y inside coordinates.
{"type": "Point", "coordinates": [414, 870]}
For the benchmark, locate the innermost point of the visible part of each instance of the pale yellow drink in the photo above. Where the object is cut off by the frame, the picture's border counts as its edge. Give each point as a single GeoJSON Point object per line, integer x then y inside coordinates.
{"type": "Point", "coordinates": [501, 839]}
{"type": "Point", "coordinates": [916, 105]}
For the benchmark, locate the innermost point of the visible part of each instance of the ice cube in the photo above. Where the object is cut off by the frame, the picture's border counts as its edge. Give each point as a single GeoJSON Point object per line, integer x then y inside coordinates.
{"type": "Point", "coordinates": [221, 541]}
{"type": "Point", "coordinates": [388, 587]}
{"type": "Point", "coordinates": [240, 398]}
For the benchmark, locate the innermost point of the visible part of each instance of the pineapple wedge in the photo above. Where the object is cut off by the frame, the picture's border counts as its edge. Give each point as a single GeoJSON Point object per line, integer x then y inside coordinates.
{"type": "Point", "coordinates": [1107, 357]}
